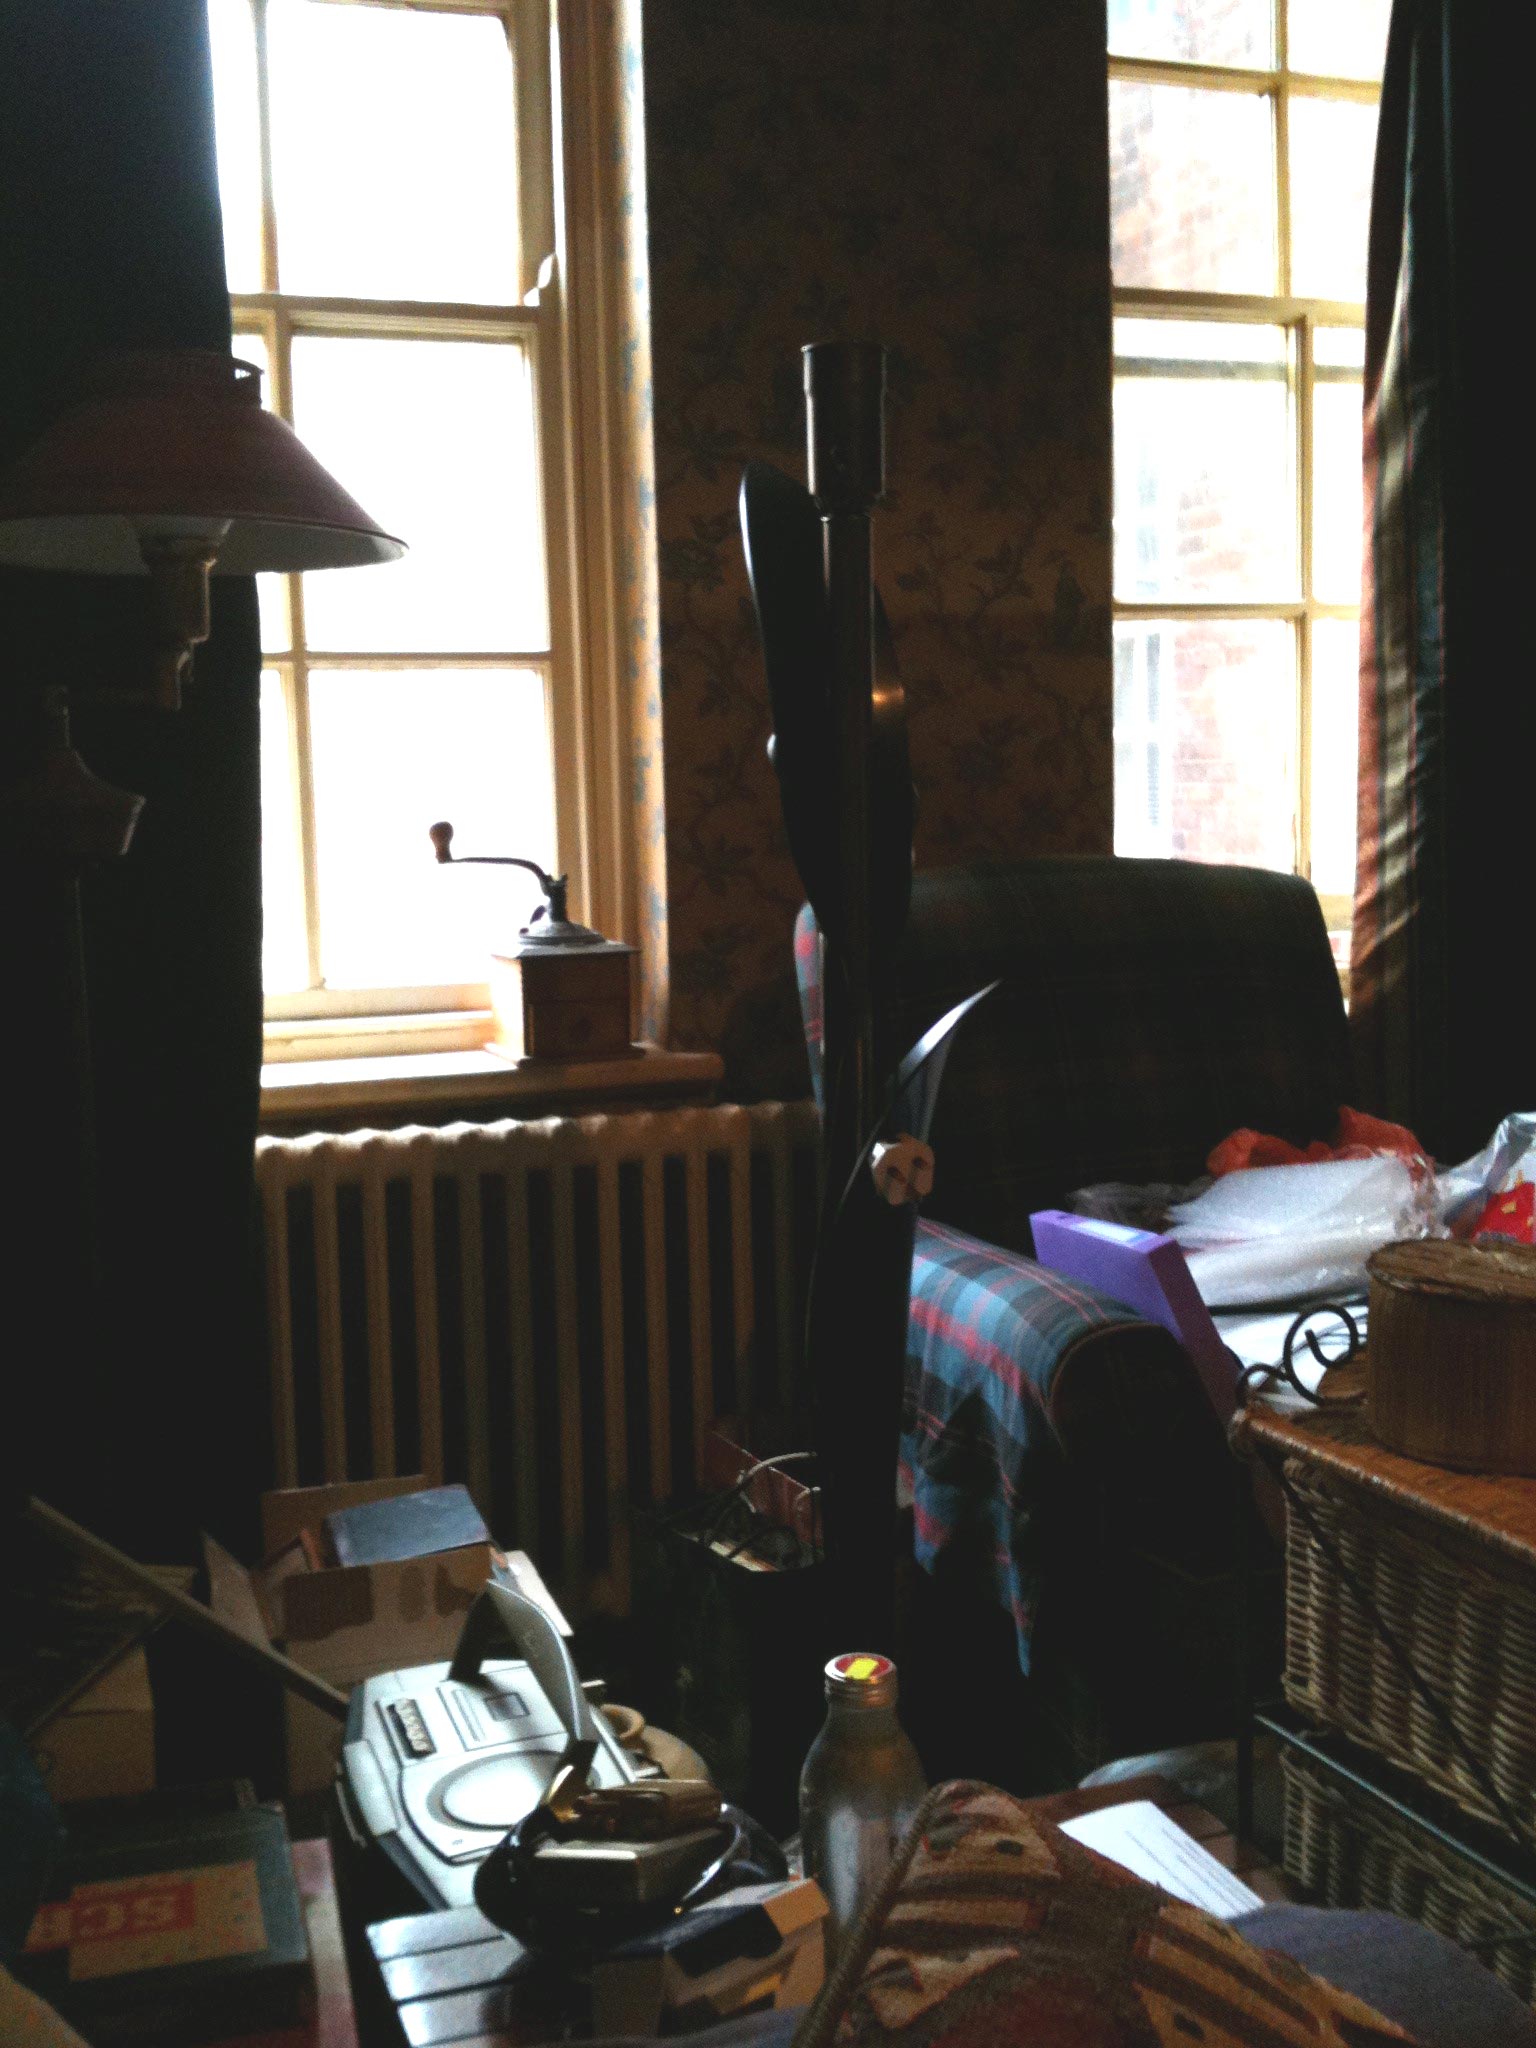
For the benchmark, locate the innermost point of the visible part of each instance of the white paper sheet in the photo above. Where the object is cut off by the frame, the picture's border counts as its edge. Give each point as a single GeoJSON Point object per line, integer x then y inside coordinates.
{"type": "Point", "coordinates": [1141, 1838]}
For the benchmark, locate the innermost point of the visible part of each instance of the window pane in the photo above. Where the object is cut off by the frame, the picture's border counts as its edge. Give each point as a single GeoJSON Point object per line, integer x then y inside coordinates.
{"type": "Point", "coordinates": [1341, 348]}
{"type": "Point", "coordinates": [1204, 491]}
{"type": "Point", "coordinates": [232, 34]}
{"type": "Point", "coordinates": [1337, 492]}
{"type": "Point", "coordinates": [436, 438]}
{"type": "Point", "coordinates": [1192, 31]}
{"type": "Point", "coordinates": [1335, 720]}
{"type": "Point", "coordinates": [394, 752]}
{"type": "Point", "coordinates": [1192, 188]}
{"type": "Point", "coordinates": [285, 953]}
{"type": "Point", "coordinates": [1333, 143]}
{"type": "Point", "coordinates": [393, 153]}
{"type": "Point", "coordinates": [1205, 740]}
{"type": "Point", "coordinates": [271, 591]}
{"type": "Point", "coordinates": [1339, 38]}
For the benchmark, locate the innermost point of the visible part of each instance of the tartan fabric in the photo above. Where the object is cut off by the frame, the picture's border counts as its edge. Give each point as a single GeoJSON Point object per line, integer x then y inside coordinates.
{"type": "Point", "coordinates": [1446, 707]}
{"type": "Point", "coordinates": [808, 975]}
{"type": "Point", "coordinates": [1147, 1009]}
{"type": "Point", "coordinates": [990, 1337]}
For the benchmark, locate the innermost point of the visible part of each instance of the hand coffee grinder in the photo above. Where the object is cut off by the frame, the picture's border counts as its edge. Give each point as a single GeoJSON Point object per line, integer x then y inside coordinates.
{"type": "Point", "coordinates": [563, 992]}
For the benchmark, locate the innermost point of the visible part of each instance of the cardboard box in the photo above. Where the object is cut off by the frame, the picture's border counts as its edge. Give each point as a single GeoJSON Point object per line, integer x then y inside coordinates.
{"type": "Point", "coordinates": [102, 1746]}
{"type": "Point", "coordinates": [346, 1622]}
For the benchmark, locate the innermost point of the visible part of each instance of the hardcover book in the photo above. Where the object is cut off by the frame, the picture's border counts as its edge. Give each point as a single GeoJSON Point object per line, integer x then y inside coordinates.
{"type": "Point", "coordinates": [420, 1524]}
{"type": "Point", "coordinates": [175, 1929]}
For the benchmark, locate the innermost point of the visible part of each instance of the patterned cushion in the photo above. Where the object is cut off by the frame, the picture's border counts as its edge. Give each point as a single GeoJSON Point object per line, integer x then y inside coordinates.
{"type": "Point", "coordinates": [1147, 1008]}
{"type": "Point", "coordinates": [995, 1930]}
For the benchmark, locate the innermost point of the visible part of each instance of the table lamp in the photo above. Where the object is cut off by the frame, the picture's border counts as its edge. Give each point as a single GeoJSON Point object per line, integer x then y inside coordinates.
{"type": "Point", "coordinates": [167, 465]}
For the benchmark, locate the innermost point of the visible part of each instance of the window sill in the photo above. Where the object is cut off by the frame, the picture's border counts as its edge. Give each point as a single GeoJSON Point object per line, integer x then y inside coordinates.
{"type": "Point", "coordinates": [363, 1036]}
{"type": "Point", "coordinates": [433, 1087]}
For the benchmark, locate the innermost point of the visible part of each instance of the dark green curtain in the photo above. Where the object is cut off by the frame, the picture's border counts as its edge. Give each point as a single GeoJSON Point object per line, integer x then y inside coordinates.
{"type": "Point", "coordinates": [1447, 703]}
{"type": "Point", "coordinates": [131, 1352]}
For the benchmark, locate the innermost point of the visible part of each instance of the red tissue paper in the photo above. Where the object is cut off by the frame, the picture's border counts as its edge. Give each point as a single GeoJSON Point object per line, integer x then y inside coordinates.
{"type": "Point", "coordinates": [1358, 1136]}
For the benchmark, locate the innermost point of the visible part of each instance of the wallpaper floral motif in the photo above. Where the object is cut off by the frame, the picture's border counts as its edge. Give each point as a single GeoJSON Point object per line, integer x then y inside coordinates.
{"type": "Point", "coordinates": [933, 178]}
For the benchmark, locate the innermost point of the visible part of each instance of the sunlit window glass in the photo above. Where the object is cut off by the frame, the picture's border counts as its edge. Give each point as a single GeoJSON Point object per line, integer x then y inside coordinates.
{"type": "Point", "coordinates": [1241, 145]}
{"type": "Point", "coordinates": [373, 194]}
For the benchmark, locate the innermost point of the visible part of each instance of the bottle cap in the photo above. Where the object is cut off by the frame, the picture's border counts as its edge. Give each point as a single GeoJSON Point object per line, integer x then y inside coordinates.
{"type": "Point", "coordinates": [861, 1678]}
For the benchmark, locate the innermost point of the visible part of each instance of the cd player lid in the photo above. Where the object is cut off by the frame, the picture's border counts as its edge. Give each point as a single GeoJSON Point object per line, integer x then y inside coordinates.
{"type": "Point", "coordinates": [500, 1614]}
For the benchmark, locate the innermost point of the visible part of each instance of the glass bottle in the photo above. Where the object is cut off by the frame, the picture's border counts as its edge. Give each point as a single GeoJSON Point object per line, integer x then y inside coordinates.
{"type": "Point", "coordinates": [859, 1790]}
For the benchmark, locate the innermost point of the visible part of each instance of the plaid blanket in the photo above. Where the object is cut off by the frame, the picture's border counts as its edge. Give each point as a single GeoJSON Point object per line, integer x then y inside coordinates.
{"type": "Point", "coordinates": [990, 1336]}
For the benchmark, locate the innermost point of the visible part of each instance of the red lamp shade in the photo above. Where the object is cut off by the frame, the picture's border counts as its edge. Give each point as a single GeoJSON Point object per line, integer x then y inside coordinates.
{"type": "Point", "coordinates": [169, 466]}
{"type": "Point", "coordinates": [178, 446]}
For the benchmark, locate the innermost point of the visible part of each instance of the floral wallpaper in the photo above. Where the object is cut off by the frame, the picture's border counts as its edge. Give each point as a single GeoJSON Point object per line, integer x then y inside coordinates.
{"type": "Point", "coordinates": [933, 178]}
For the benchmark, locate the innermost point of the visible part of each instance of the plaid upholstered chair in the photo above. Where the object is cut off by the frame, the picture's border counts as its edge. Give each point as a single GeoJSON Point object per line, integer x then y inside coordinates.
{"type": "Point", "coordinates": [1058, 1451]}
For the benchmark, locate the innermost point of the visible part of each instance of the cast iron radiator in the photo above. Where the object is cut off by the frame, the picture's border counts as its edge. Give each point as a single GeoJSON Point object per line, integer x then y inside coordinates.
{"type": "Point", "coordinates": [551, 1311]}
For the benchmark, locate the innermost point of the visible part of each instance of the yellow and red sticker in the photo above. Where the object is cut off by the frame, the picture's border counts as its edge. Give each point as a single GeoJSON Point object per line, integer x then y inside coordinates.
{"type": "Point", "coordinates": [862, 1666]}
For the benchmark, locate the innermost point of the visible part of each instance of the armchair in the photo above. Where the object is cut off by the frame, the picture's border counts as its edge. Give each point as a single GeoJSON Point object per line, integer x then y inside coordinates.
{"type": "Point", "coordinates": [1058, 1452]}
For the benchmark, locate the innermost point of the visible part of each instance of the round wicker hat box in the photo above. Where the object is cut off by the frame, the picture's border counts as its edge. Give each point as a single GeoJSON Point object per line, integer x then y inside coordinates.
{"type": "Point", "coordinates": [1452, 1353]}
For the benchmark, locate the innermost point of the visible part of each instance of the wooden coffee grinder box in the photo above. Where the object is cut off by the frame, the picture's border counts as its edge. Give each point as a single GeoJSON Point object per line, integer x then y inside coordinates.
{"type": "Point", "coordinates": [563, 1001]}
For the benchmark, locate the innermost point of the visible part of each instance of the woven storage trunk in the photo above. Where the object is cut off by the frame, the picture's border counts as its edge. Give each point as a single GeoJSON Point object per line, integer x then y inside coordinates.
{"type": "Point", "coordinates": [1465, 1614]}
{"type": "Point", "coordinates": [1345, 1850]}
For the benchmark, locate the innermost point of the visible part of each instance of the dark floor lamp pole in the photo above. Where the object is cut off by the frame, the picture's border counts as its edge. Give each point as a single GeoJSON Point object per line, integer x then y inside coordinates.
{"type": "Point", "coordinates": [845, 434]}
{"type": "Point", "coordinates": [58, 820]}
{"type": "Point", "coordinates": [858, 1306]}
{"type": "Point", "coordinates": [839, 749]}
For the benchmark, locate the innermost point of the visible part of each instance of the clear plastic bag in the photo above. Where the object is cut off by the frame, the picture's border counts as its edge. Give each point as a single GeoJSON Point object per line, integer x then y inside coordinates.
{"type": "Point", "coordinates": [1281, 1233]}
{"type": "Point", "coordinates": [1293, 1233]}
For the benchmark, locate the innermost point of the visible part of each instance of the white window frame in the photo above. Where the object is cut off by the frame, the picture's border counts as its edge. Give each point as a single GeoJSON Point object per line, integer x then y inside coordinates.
{"type": "Point", "coordinates": [1301, 317]}
{"type": "Point", "coordinates": [564, 318]}
{"type": "Point", "coordinates": [1141, 733]}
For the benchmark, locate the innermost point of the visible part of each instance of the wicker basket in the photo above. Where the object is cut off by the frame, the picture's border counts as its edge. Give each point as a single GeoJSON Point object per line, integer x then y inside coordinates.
{"type": "Point", "coordinates": [1345, 1850]}
{"type": "Point", "coordinates": [1465, 1614]}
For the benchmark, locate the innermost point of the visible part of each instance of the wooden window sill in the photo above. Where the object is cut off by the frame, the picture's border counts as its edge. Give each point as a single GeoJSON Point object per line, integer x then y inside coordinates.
{"type": "Point", "coordinates": [436, 1087]}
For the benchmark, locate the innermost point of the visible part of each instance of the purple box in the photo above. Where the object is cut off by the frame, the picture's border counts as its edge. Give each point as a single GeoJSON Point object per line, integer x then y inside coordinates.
{"type": "Point", "coordinates": [1149, 1274]}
